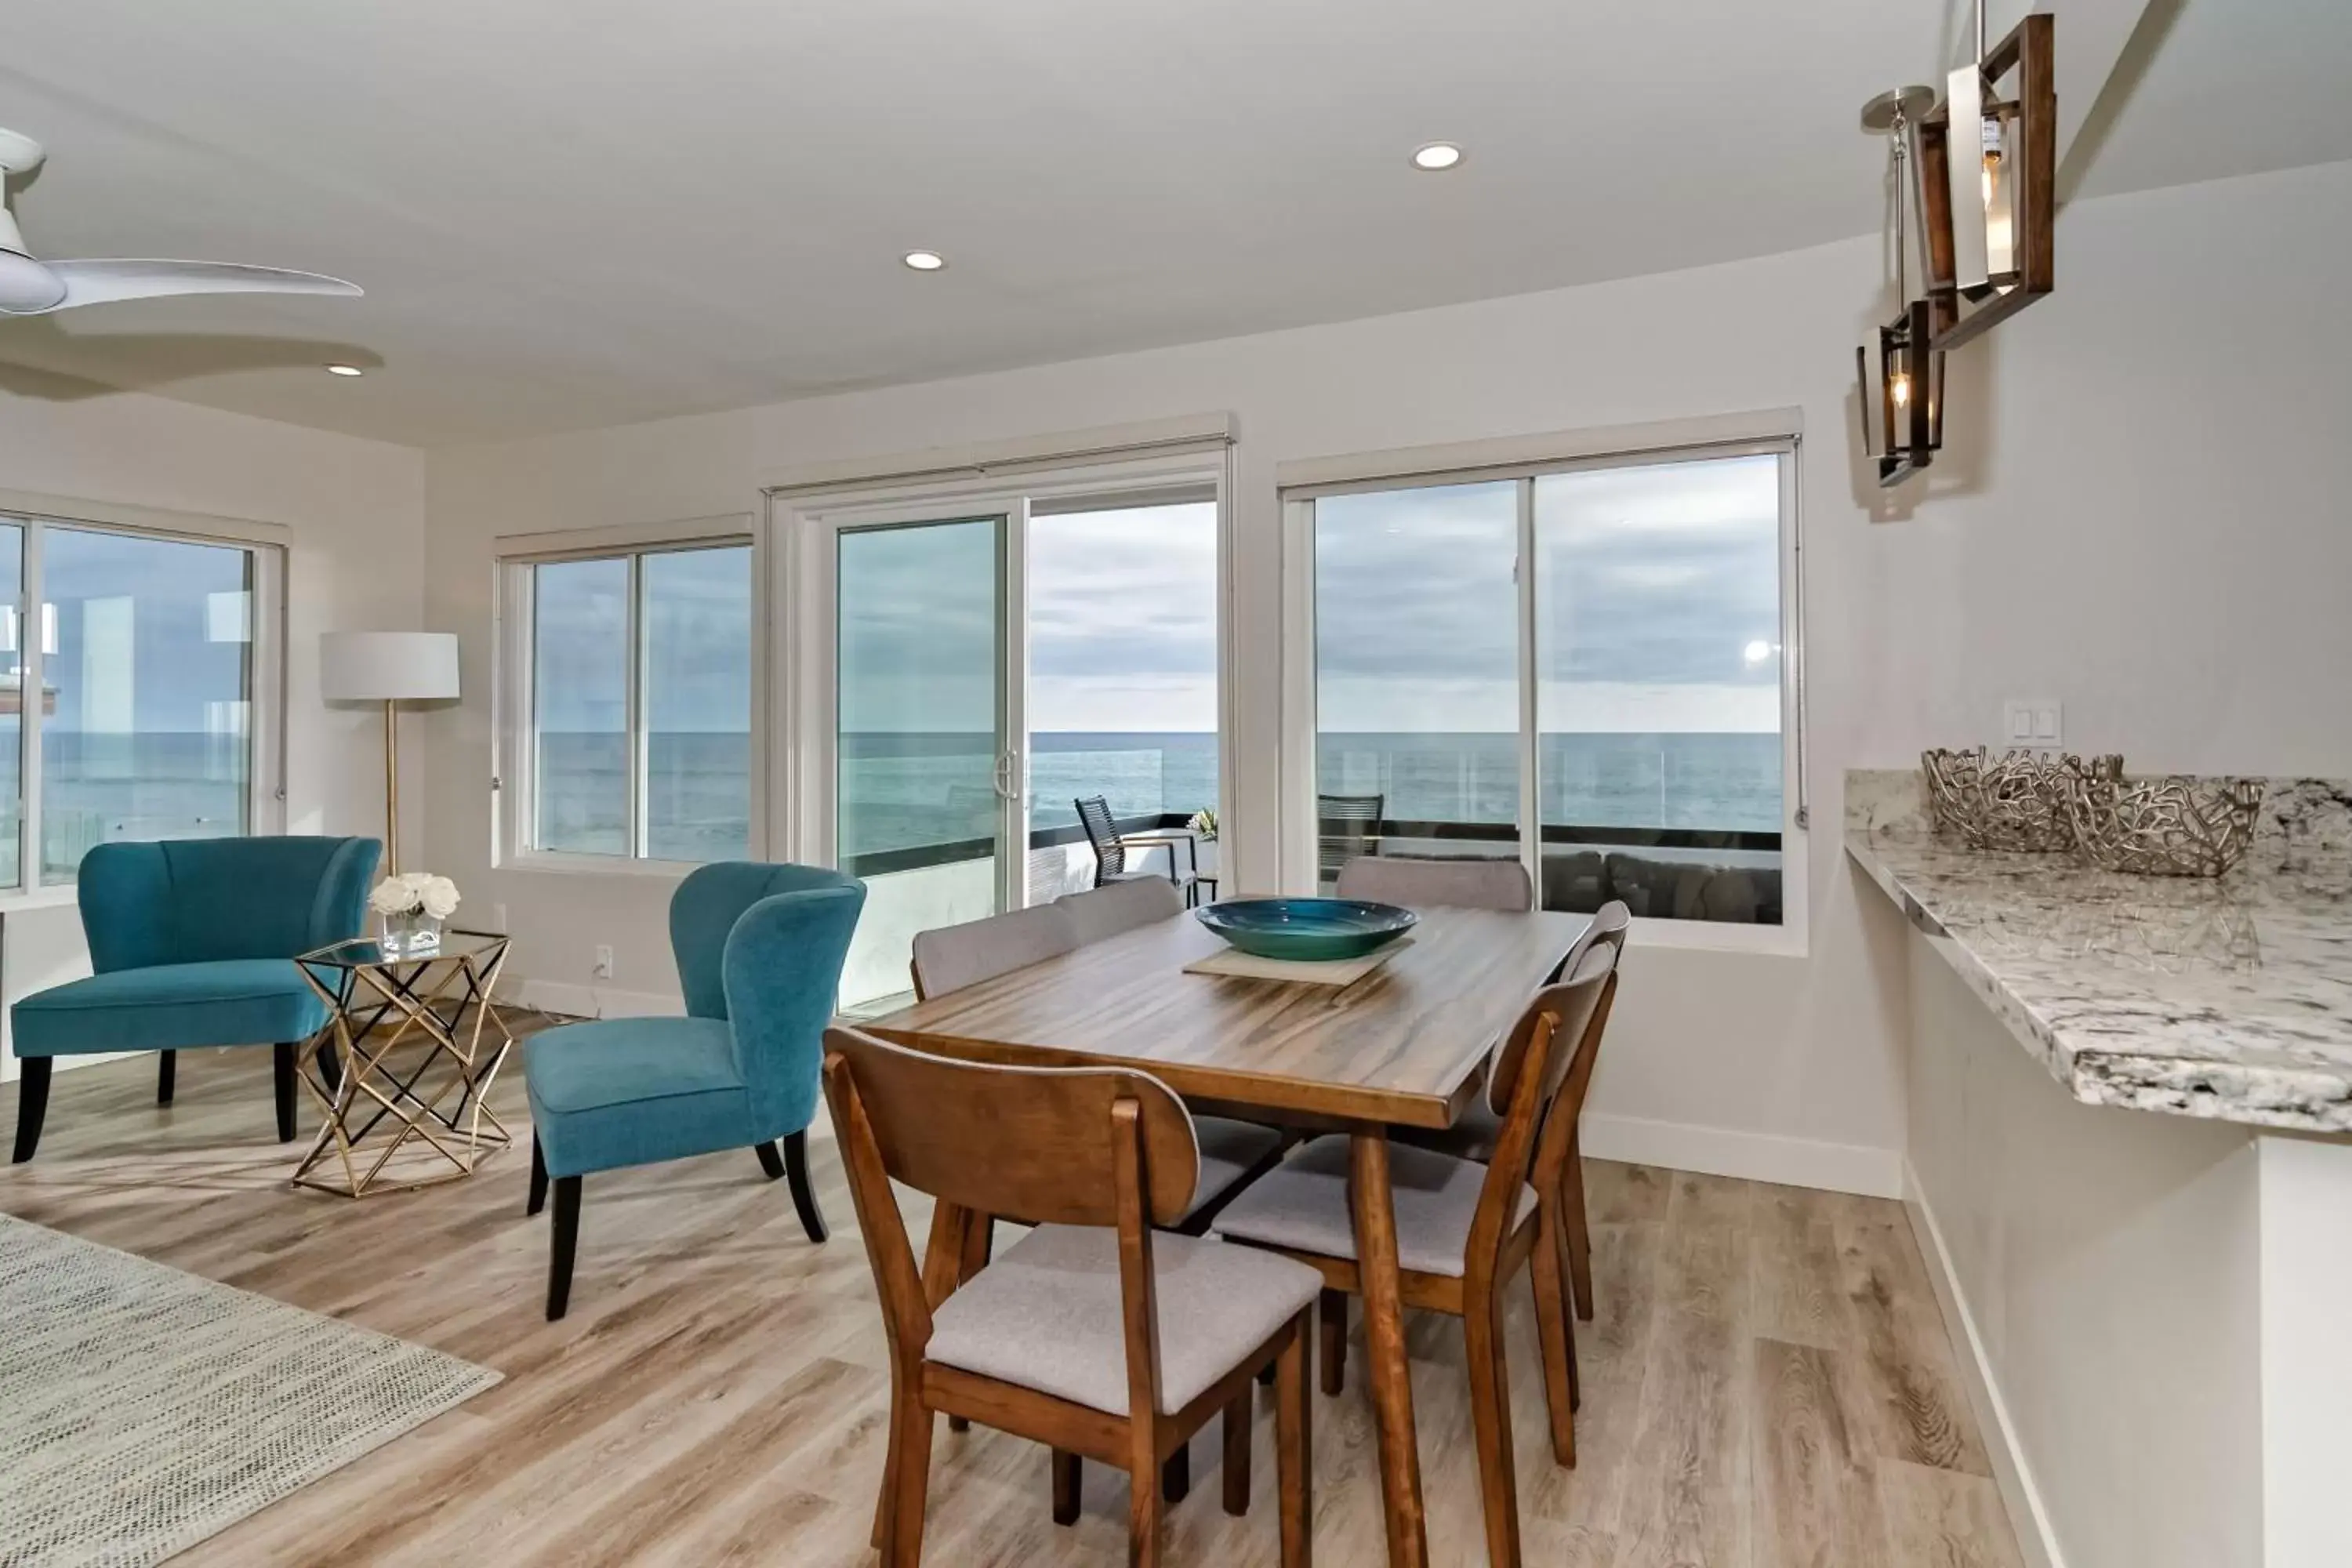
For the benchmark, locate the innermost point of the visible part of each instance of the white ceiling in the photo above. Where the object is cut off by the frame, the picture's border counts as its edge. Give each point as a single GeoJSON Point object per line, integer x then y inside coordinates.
{"type": "Point", "coordinates": [570, 213]}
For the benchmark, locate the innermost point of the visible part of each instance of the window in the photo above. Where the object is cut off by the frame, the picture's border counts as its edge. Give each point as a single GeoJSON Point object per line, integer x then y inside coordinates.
{"type": "Point", "coordinates": [639, 736]}
{"type": "Point", "coordinates": [127, 703]}
{"type": "Point", "coordinates": [1634, 683]}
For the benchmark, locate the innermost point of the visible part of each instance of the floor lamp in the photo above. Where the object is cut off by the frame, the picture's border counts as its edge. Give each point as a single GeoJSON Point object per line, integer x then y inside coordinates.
{"type": "Point", "coordinates": [390, 668]}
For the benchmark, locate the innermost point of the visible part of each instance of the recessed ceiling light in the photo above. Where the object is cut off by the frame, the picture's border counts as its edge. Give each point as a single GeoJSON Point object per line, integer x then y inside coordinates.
{"type": "Point", "coordinates": [345, 370]}
{"type": "Point", "coordinates": [925, 260]}
{"type": "Point", "coordinates": [1436, 155]}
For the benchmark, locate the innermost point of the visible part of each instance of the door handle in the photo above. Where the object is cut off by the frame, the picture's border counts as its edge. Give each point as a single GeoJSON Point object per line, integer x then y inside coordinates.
{"type": "Point", "coordinates": [1008, 775]}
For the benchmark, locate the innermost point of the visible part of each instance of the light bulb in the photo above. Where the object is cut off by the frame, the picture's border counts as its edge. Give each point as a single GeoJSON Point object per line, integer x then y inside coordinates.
{"type": "Point", "coordinates": [1902, 389]}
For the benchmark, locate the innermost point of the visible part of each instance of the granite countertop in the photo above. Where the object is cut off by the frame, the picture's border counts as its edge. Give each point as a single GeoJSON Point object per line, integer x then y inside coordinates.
{"type": "Point", "coordinates": [2229, 1000]}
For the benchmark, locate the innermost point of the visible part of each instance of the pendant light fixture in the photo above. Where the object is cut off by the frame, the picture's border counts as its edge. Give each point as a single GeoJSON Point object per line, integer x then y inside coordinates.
{"type": "Point", "coordinates": [1909, 386]}
{"type": "Point", "coordinates": [1988, 169]}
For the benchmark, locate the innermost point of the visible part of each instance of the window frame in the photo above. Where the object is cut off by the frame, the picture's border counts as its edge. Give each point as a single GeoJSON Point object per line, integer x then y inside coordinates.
{"type": "Point", "coordinates": [1523, 461]}
{"type": "Point", "coordinates": [266, 547]}
{"type": "Point", "coordinates": [514, 755]}
{"type": "Point", "coordinates": [807, 527]}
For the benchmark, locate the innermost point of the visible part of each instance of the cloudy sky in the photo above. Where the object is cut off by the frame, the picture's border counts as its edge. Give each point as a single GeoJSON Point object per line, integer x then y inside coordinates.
{"type": "Point", "coordinates": [146, 635]}
{"type": "Point", "coordinates": [1657, 588]}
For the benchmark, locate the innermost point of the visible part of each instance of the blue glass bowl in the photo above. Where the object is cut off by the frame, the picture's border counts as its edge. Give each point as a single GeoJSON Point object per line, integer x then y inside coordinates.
{"type": "Point", "coordinates": [1308, 930]}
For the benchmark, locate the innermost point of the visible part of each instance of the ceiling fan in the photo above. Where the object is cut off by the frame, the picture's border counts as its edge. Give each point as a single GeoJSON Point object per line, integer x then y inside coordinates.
{"type": "Point", "coordinates": [32, 287]}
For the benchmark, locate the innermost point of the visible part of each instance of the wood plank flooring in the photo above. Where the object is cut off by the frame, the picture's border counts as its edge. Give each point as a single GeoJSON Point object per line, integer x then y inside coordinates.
{"type": "Point", "coordinates": [1768, 1383]}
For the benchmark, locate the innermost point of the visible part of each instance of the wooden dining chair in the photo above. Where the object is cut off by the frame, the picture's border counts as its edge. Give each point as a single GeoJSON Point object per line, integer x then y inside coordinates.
{"type": "Point", "coordinates": [1457, 882]}
{"type": "Point", "coordinates": [1099, 913]}
{"type": "Point", "coordinates": [1230, 1153]}
{"type": "Point", "coordinates": [1480, 1126]}
{"type": "Point", "coordinates": [1464, 1229]}
{"type": "Point", "coordinates": [1095, 1333]}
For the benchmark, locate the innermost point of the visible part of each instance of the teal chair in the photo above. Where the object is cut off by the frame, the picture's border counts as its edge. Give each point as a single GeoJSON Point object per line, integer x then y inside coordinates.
{"type": "Point", "coordinates": [192, 942]}
{"type": "Point", "coordinates": [759, 951]}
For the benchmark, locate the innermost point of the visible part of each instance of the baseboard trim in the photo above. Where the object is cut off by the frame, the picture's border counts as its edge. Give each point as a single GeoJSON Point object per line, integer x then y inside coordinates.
{"type": "Point", "coordinates": [2037, 1543]}
{"type": "Point", "coordinates": [592, 1001]}
{"type": "Point", "coordinates": [1749, 1156]}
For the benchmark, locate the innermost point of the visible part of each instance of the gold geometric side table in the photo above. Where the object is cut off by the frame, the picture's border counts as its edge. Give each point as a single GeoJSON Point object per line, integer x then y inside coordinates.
{"type": "Point", "coordinates": [404, 1067]}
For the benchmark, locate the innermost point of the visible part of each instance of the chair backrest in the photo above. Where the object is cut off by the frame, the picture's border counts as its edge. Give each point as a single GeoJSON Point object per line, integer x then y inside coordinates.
{"type": "Point", "coordinates": [1102, 837]}
{"type": "Point", "coordinates": [703, 911]}
{"type": "Point", "coordinates": [1610, 923]}
{"type": "Point", "coordinates": [1087, 1146]}
{"type": "Point", "coordinates": [1346, 825]}
{"type": "Point", "coordinates": [198, 901]}
{"type": "Point", "coordinates": [781, 970]}
{"type": "Point", "coordinates": [1561, 1028]}
{"type": "Point", "coordinates": [953, 957]}
{"type": "Point", "coordinates": [1122, 905]}
{"type": "Point", "coordinates": [1420, 881]}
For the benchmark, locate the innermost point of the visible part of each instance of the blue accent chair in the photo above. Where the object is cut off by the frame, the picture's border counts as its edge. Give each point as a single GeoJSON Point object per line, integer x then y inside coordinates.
{"type": "Point", "coordinates": [759, 951]}
{"type": "Point", "coordinates": [192, 942]}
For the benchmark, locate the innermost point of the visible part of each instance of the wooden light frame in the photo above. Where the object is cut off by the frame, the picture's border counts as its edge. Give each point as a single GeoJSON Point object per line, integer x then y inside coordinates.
{"type": "Point", "coordinates": [2027, 53]}
{"type": "Point", "coordinates": [1914, 425]}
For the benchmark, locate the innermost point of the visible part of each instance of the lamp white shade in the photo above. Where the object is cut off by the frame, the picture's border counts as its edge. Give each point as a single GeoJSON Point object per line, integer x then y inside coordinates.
{"type": "Point", "coordinates": [388, 667]}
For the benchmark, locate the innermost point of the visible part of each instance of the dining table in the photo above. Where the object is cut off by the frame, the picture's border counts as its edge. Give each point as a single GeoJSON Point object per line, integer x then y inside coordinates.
{"type": "Point", "coordinates": [1405, 1046]}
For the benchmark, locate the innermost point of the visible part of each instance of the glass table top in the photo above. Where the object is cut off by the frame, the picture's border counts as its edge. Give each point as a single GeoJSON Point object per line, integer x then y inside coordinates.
{"type": "Point", "coordinates": [363, 950]}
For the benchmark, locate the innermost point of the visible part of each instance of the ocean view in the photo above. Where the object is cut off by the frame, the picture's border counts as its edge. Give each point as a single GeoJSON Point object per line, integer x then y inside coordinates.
{"type": "Point", "coordinates": [906, 791]}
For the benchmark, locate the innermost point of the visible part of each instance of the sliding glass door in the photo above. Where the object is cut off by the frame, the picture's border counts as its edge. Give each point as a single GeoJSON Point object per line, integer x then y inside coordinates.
{"type": "Point", "coordinates": [927, 783]}
{"type": "Point", "coordinates": [972, 667]}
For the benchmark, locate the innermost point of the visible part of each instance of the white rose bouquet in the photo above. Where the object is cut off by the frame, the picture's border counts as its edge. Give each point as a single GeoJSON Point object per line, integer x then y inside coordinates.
{"type": "Point", "coordinates": [415, 892]}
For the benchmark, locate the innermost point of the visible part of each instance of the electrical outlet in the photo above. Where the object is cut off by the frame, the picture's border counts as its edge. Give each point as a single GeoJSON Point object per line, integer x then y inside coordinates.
{"type": "Point", "coordinates": [2033, 724]}
{"type": "Point", "coordinates": [604, 970]}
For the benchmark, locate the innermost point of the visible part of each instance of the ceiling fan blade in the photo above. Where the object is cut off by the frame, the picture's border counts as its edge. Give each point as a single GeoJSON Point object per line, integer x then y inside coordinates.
{"type": "Point", "coordinates": [102, 282]}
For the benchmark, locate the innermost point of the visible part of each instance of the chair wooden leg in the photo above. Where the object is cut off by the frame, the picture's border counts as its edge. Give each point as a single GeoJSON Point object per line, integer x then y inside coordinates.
{"type": "Point", "coordinates": [1552, 1332]}
{"type": "Point", "coordinates": [910, 1474]}
{"type": "Point", "coordinates": [803, 1190]}
{"type": "Point", "coordinates": [1293, 1448]}
{"type": "Point", "coordinates": [1144, 1512]}
{"type": "Point", "coordinates": [1176, 1475]}
{"type": "Point", "coordinates": [1490, 1417]}
{"type": "Point", "coordinates": [1580, 1231]}
{"type": "Point", "coordinates": [538, 1199]}
{"type": "Point", "coordinates": [770, 1160]}
{"type": "Point", "coordinates": [1332, 1357]}
{"type": "Point", "coordinates": [1066, 1486]}
{"type": "Point", "coordinates": [1237, 1456]}
{"type": "Point", "coordinates": [167, 1068]}
{"type": "Point", "coordinates": [562, 1241]}
{"type": "Point", "coordinates": [330, 1067]}
{"type": "Point", "coordinates": [31, 1104]}
{"type": "Point", "coordinates": [282, 1061]}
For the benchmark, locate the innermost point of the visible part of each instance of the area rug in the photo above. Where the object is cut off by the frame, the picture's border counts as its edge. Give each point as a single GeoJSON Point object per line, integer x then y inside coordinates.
{"type": "Point", "coordinates": [143, 1409]}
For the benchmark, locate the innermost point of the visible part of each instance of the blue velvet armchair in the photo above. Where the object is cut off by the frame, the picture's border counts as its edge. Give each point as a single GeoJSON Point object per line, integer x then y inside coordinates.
{"type": "Point", "coordinates": [759, 951]}
{"type": "Point", "coordinates": [192, 942]}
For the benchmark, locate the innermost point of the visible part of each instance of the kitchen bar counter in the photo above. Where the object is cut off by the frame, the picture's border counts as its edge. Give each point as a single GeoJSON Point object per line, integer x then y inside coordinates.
{"type": "Point", "coordinates": [2227, 1000]}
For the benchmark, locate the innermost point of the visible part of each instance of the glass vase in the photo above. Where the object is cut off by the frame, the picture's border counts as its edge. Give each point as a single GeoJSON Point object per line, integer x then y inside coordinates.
{"type": "Point", "coordinates": [412, 934]}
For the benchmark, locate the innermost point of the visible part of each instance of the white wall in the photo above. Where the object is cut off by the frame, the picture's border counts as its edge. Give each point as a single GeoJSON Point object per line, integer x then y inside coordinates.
{"type": "Point", "coordinates": [2110, 1264]}
{"type": "Point", "coordinates": [356, 511]}
{"type": "Point", "coordinates": [2135, 516]}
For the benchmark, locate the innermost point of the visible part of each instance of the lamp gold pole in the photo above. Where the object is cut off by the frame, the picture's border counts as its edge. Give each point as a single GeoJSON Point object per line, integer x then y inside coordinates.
{"type": "Point", "coordinates": [391, 786]}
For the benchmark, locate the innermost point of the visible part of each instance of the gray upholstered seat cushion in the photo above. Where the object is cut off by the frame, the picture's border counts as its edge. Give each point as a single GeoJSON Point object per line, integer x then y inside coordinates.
{"type": "Point", "coordinates": [1302, 1204]}
{"type": "Point", "coordinates": [1047, 1315]}
{"type": "Point", "coordinates": [1472, 1137]}
{"type": "Point", "coordinates": [1228, 1150]}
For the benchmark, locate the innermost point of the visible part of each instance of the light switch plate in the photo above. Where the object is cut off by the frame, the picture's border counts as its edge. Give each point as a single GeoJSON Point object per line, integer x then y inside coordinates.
{"type": "Point", "coordinates": [2035, 724]}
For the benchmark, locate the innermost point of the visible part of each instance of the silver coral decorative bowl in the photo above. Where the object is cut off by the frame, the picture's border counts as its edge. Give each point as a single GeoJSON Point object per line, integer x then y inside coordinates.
{"type": "Point", "coordinates": [2173, 826]}
{"type": "Point", "coordinates": [2016, 803]}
